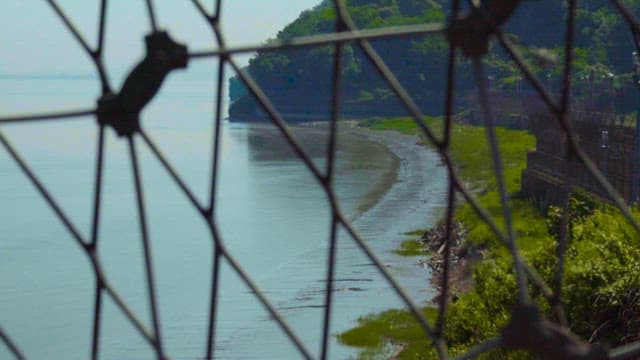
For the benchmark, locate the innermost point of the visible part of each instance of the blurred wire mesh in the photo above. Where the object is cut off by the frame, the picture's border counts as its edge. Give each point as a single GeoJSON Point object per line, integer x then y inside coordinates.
{"type": "Point", "coordinates": [469, 34]}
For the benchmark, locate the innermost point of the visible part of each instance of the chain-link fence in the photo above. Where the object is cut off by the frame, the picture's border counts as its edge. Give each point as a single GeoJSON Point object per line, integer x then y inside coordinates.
{"type": "Point", "coordinates": [468, 36]}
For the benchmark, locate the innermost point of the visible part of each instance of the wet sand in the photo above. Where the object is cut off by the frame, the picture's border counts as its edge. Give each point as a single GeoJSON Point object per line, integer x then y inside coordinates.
{"type": "Point", "coordinates": [406, 159]}
{"type": "Point", "coordinates": [368, 161]}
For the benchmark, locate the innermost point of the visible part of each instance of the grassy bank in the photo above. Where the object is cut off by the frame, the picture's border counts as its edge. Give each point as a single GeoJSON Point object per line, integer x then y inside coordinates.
{"type": "Point", "coordinates": [469, 148]}
{"type": "Point", "coordinates": [602, 274]}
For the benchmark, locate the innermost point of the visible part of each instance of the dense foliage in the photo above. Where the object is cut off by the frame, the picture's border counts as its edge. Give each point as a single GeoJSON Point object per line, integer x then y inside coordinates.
{"type": "Point", "coordinates": [601, 287]}
{"type": "Point", "coordinates": [300, 80]}
{"type": "Point", "coordinates": [305, 75]}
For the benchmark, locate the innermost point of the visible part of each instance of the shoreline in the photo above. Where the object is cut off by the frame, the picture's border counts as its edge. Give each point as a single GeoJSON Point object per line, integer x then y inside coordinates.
{"type": "Point", "coordinates": [401, 183]}
{"type": "Point", "coordinates": [387, 180]}
{"type": "Point", "coordinates": [399, 145]}
{"type": "Point", "coordinates": [406, 150]}
{"type": "Point", "coordinates": [433, 238]}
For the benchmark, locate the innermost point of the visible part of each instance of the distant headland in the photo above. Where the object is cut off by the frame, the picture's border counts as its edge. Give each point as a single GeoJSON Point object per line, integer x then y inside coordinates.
{"type": "Point", "coordinates": [298, 82]}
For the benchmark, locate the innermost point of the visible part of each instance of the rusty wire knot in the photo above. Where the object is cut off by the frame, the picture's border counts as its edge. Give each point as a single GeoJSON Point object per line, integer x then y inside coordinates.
{"type": "Point", "coordinates": [122, 111]}
{"type": "Point", "coordinates": [472, 31]}
{"type": "Point", "coordinates": [529, 330]}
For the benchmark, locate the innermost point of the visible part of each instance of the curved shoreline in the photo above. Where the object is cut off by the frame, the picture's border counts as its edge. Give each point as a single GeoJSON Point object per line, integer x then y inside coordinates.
{"type": "Point", "coordinates": [386, 180]}
{"type": "Point", "coordinates": [405, 151]}
{"type": "Point", "coordinates": [401, 184]}
{"type": "Point", "coordinates": [409, 162]}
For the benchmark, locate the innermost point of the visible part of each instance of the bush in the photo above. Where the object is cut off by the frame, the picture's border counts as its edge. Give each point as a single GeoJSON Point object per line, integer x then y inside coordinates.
{"type": "Point", "coordinates": [601, 284]}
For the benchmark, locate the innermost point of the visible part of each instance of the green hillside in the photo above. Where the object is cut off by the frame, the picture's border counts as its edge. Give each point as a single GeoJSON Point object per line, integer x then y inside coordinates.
{"type": "Point", "coordinates": [299, 81]}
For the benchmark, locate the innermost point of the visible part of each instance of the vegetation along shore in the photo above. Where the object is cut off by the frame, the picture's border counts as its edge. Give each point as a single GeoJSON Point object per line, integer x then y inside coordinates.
{"type": "Point", "coordinates": [601, 283]}
{"type": "Point", "coordinates": [602, 274]}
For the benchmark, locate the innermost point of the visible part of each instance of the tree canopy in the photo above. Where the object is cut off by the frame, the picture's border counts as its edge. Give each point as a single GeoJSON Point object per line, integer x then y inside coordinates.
{"type": "Point", "coordinates": [300, 80]}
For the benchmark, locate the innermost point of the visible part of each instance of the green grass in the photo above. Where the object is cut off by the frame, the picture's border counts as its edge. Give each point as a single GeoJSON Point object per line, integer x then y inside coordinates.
{"type": "Point", "coordinates": [470, 149]}
{"type": "Point", "coordinates": [375, 330]}
{"type": "Point", "coordinates": [602, 270]}
{"type": "Point", "coordinates": [417, 232]}
{"type": "Point", "coordinates": [468, 321]}
{"type": "Point", "coordinates": [413, 247]}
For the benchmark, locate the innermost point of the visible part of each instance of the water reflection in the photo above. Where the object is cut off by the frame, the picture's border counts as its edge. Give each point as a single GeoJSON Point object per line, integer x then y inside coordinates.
{"type": "Point", "coordinates": [267, 144]}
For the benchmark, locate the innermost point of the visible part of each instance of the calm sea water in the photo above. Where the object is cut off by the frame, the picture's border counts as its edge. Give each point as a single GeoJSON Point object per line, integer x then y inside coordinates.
{"type": "Point", "coordinates": [273, 216]}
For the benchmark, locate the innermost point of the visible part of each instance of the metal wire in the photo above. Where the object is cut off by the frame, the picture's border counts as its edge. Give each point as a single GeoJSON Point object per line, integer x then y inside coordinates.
{"type": "Point", "coordinates": [451, 194]}
{"type": "Point", "coordinates": [146, 246]}
{"type": "Point", "coordinates": [345, 31]}
{"type": "Point", "coordinates": [324, 39]}
{"type": "Point", "coordinates": [330, 156]}
{"type": "Point", "coordinates": [11, 345]}
{"type": "Point", "coordinates": [565, 113]}
{"type": "Point", "coordinates": [47, 116]}
{"type": "Point", "coordinates": [496, 158]}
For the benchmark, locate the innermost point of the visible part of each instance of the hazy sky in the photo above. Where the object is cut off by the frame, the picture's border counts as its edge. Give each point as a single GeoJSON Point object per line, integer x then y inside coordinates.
{"type": "Point", "coordinates": [34, 41]}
